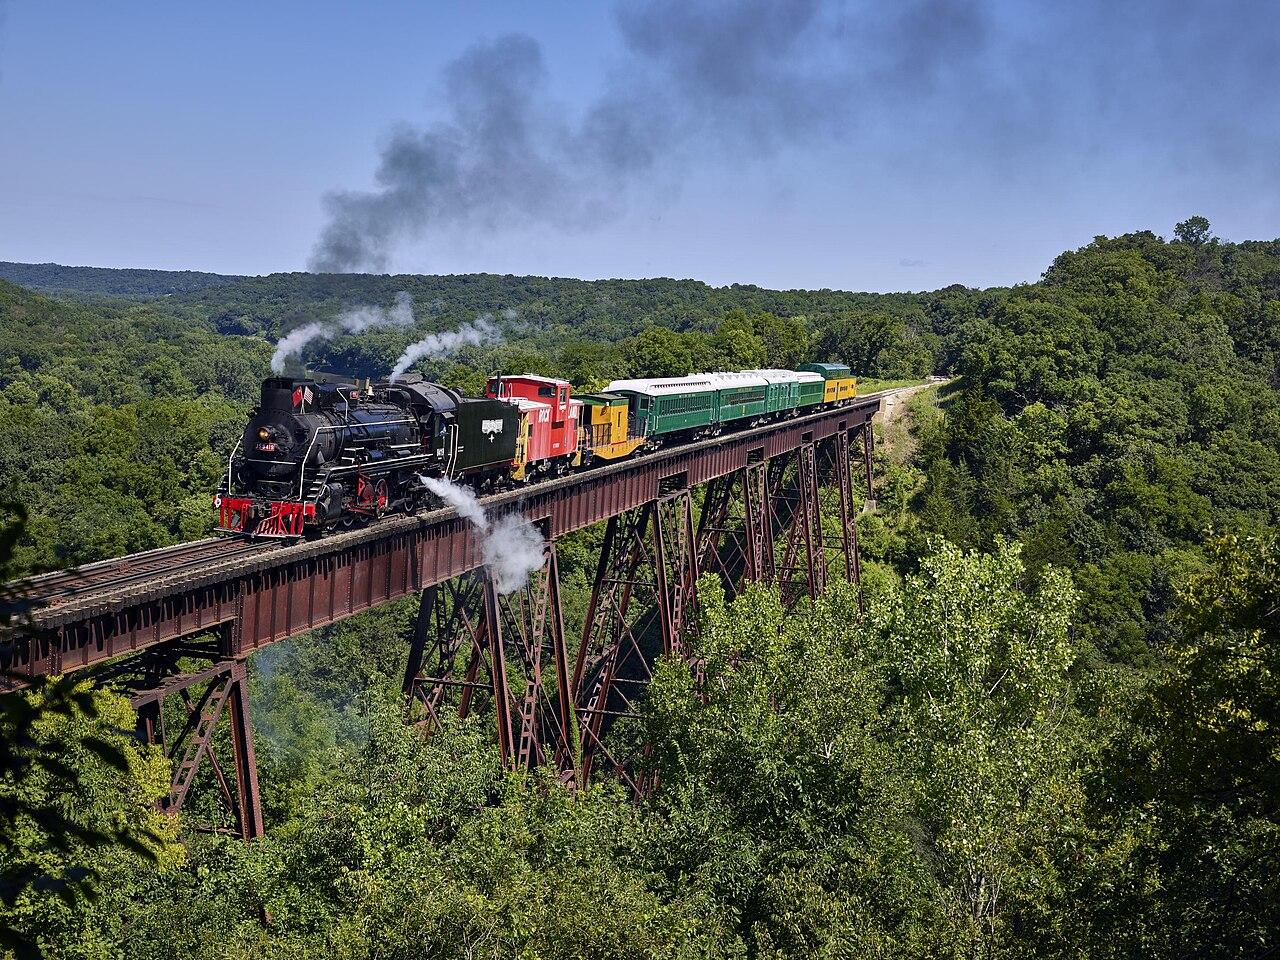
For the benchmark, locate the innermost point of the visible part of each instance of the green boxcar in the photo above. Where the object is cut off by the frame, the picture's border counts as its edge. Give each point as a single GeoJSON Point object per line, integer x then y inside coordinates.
{"type": "Point", "coordinates": [840, 382]}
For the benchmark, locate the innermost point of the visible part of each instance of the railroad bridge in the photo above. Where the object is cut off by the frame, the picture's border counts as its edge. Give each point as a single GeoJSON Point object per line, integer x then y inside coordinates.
{"type": "Point", "coordinates": [746, 506]}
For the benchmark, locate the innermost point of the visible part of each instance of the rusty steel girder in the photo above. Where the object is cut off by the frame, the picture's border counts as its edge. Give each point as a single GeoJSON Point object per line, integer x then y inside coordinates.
{"type": "Point", "coordinates": [748, 515]}
{"type": "Point", "coordinates": [642, 605]}
{"type": "Point", "coordinates": [745, 518]}
{"type": "Point", "coordinates": [470, 641]}
{"type": "Point", "coordinates": [846, 541]}
{"type": "Point", "coordinates": [868, 452]}
{"type": "Point", "coordinates": [220, 692]}
{"type": "Point", "coordinates": [736, 528]}
{"type": "Point", "coordinates": [803, 574]}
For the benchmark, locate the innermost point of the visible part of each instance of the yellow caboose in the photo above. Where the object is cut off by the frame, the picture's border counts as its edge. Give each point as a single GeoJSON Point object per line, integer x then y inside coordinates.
{"type": "Point", "coordinates": [604, 431]}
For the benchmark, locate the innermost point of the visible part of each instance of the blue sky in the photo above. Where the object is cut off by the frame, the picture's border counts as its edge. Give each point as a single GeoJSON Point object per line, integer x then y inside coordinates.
{"type": "Point", "coordinates": [850, 145]}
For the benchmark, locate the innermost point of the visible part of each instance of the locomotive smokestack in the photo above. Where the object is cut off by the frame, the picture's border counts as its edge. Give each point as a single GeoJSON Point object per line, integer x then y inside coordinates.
{"type": "Point", "coordinates": [277, 393]}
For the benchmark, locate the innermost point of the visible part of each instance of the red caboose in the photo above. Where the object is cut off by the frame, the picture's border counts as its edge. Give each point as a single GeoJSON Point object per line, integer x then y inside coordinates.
{"type": "Point", "coordinates": [549, 422]}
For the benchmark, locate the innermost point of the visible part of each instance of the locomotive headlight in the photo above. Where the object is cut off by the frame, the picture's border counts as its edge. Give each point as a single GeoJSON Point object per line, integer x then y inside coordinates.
{"type": "Point", "coordinates": [264, 433]}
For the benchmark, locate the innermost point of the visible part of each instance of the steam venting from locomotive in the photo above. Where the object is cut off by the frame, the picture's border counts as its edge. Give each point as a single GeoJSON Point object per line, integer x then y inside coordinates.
{"type": "Point", "coordinates": [439, 344]}
{"type": "Point", "coordinates": [512, 548]}
{"type": "Point", "coordinates": [356, 320]}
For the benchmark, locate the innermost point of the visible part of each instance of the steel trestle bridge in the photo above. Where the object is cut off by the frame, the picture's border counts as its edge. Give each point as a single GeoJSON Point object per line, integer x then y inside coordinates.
{"type": "Point", "coordinates": [141, 620]}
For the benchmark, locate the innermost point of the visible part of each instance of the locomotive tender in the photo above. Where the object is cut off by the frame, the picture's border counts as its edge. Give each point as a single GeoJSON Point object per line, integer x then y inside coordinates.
{"type": "Point", "coordinates": [323, 452]}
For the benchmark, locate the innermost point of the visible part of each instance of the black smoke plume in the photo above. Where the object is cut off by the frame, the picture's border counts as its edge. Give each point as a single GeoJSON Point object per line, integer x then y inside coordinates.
{"type": "Point", "coordinates": [936, 82]}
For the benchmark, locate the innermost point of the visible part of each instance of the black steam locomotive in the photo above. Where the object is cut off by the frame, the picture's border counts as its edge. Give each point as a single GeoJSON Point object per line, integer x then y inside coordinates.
{"type": "Point", "coordinates": [324, 452]}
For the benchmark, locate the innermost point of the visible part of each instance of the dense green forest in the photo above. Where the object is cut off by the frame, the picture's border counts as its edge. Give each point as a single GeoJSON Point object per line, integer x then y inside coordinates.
{"type": "Point", "coordinates": [107, 281]}
{"type": "Point", "coordinates": [1053, 732]}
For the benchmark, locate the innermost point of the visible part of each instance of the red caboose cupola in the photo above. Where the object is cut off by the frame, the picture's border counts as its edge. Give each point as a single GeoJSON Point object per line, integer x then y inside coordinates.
{"type": "Point", "coordinates": [554, 393]}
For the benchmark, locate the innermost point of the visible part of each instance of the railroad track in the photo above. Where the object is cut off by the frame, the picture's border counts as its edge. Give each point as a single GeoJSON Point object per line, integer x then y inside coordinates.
{"type": "Point", "coordinates": [61, 586]}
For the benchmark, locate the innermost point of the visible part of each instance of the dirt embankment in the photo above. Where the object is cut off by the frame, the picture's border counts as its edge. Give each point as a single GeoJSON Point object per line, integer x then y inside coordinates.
{"type": "Point", "coordinates": [894, 406]}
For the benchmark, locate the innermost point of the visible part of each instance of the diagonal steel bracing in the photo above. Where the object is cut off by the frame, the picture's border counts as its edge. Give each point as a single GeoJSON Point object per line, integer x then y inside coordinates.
{"type": "Point", "coordinates": [641, 607]}
{"type": "Point", "coordinates": [474, 648]}
{"type": "Point", "coordinates": [207, 698]}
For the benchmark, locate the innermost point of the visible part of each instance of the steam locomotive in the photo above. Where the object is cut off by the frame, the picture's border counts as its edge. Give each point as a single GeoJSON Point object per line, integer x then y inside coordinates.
{"type": "Point", "coordinates": [324, 452]}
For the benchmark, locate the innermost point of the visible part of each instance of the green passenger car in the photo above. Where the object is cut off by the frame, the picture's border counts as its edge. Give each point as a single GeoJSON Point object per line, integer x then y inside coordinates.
{"type": "Point", "coordinates": [791, 389]}
{"type": "Point", "coordinates": [702, 403]}
{"type": "Point", "coordinates": [670, 405]}
{"type": "Point", "coordinates": [742, 395]}
{"type": "Point", "coordinates": [811, 390]}
{"type": "Point", "coordinates": [781, 396]}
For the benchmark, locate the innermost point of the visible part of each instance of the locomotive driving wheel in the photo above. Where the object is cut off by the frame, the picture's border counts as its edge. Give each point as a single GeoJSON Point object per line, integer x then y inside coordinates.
{"type": "Point", "coordinates": [372, 497]}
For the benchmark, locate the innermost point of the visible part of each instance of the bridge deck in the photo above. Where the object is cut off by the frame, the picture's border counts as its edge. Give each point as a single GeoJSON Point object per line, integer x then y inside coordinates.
{"type": "Point", "coordinates": [264, 591]}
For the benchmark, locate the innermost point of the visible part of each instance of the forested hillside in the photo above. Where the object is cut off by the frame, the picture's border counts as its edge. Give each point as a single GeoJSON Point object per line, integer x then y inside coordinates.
{"type": "Point", "coordinates": [1111, 416]}
{"type": "Point", "coordinates": [107, 281]}
{"type": "Point", "coordinates": [1052, 733]}
{"type": "Point", "coordinates": [114, 422]}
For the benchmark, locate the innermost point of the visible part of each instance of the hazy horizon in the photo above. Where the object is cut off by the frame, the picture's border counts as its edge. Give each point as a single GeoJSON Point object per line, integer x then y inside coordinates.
{"type": "Point", "coordinates": [490, 273]}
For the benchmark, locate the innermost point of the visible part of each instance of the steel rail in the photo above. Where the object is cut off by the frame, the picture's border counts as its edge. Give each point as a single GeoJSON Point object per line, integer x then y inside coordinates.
{"type": "Point", "coordinates": [53, 587]}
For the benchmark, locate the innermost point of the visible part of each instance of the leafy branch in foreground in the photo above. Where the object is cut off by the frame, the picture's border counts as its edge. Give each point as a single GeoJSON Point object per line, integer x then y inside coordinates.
{"type": "Point", "coordinates": [64, 748]}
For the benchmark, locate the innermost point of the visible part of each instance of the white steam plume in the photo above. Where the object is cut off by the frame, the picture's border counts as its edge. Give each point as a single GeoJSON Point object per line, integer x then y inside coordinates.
{"type": "Point", "coordinates": [291, 344]}
{"type": "Point", "coordinates": [512, 548]}
{"type": "Point", "coordinates": [438, 344]}
{"type": "Point", "coordinates": [355, 320]}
